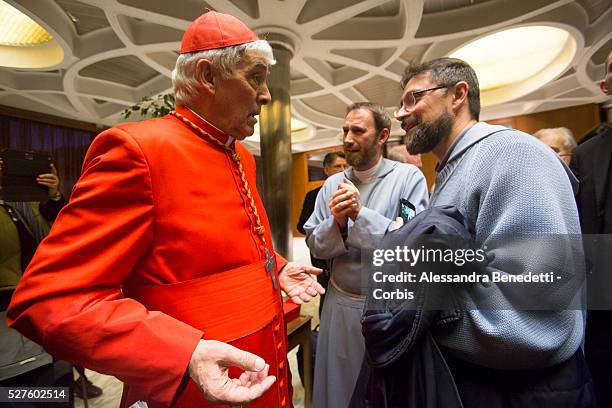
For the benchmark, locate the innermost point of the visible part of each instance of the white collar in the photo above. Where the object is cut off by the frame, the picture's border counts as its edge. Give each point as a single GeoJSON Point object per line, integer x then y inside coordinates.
{"type": "Point", "coordinates": [365, 176]}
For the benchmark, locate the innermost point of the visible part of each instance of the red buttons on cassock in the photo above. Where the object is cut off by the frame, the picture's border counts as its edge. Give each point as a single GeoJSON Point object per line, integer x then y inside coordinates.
{"type": "Point", "coordinates": [279, 345]}
{"type": "Point", "coordinates": [283, 402]}
{"type": "Point", "coordinates": [276, 328]}
{"type": "Point", "coordinates": [281, 365]}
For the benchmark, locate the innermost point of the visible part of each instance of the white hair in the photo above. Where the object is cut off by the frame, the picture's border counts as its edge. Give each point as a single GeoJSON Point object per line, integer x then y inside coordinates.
{"type": "Point", "coordinates": [569, 142]}
{"type": "Point", "coordinates": [225, 59]}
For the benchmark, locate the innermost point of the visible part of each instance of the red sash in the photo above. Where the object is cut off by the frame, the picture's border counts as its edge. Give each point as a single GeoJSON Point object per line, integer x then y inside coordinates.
{"type": "Point", "coordinates": [226, 306]}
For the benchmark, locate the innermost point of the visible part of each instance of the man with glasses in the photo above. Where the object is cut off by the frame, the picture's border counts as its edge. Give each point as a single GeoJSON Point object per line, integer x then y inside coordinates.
{"type": "Point", "coordinates": [505, 347]}
{"type": "Point", "coordinates": [351, 208]}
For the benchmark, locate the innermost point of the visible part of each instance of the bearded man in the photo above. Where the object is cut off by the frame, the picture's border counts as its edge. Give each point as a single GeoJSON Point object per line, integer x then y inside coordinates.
{"type": "Point", "coordinates": [505, 347]}
{"type": "Point", "coordinates": [139, 277]}
{"type": "Point", "coordinates": [353, 206]}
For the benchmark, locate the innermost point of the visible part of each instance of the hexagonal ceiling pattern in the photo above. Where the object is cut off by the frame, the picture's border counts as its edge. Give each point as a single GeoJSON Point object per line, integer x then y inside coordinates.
{"type": "Point", "coordinates": [117, 51]}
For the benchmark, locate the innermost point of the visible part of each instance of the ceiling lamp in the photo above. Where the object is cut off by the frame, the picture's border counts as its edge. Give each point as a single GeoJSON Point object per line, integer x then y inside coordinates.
{"type": "Point", "coordinates": [17, 29]}
{"type": "Point", "coordinates": [24, 43]}
{"type": "Point", "coordinates": [517, 61]}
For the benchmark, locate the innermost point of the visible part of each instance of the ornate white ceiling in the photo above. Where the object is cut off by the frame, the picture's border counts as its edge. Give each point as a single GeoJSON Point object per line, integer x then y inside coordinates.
{"type": "Point", "coordinates": [117, 51]}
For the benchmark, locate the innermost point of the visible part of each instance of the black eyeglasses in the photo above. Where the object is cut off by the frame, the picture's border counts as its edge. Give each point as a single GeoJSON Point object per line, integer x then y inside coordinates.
{"type": "Point", "coordinates": [411, 99]}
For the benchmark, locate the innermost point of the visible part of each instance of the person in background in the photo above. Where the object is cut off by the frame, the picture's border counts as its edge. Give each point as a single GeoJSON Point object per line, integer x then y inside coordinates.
{"type": "Point", "coordinates": [400, 154]}
{"type": "Point", "coordinates": [160, 270]}
{"type": "Point", "coordinates": [592, 165]}
{"type": "Point", "coordinates": [561, 140]}
{"type": "Point", "coordinates": [498, 353]}
{"type": "Point", "coordinates": [23, 225]}
{"type": "Point", "coordinates": [352, 208]}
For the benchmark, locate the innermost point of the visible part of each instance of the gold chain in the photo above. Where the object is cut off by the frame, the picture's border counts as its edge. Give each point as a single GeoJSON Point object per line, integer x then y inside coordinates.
{"type": "Point", "coordinates": [258, 228]}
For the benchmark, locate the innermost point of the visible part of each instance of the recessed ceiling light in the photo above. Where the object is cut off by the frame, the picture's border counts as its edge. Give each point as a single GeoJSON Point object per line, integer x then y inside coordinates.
{"type": "Point", "coordinates": [517, 61]}
{"type": "Point", "coordinates": [17, 29]}
{"type": "Point", "coordinates": [24, 43]}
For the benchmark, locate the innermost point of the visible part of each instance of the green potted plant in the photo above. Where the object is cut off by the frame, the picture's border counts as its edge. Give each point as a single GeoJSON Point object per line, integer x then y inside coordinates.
{"type": "Point", "coordinates": [151, 106]}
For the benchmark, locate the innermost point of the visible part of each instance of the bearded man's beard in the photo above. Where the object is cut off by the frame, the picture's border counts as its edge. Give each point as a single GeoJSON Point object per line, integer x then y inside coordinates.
{"type": "Point", "coordinates": [365, 158]}
{"type": "Point", "coordinates": [425, 136]}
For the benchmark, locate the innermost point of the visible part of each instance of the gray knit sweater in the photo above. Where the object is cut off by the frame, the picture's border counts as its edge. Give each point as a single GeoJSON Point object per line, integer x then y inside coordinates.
{"type": "Point", "coordinates": [517, 197]}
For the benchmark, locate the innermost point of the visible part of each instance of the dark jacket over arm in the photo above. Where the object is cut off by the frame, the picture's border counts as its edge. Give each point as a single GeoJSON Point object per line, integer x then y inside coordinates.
{"type": "Point", "coordinates": [404, 366]}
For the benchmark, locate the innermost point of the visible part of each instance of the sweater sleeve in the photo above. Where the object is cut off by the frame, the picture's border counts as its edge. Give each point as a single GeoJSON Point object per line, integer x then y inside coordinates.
{"type": "Point", "coordinates": [527, 223]}
{"type": "Point", "coordinates": [69, 299]}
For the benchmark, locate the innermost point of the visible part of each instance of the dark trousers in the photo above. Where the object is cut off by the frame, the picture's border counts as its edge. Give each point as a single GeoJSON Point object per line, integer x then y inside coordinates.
{"type": "Point", "coordinates": [598, 351]}
{"type": "Point", "coordinates": [565, 385]}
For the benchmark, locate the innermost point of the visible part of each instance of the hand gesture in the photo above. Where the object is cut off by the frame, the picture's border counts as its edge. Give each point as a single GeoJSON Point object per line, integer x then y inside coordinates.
{"type": "Point", "coordinates": [208, 368]}
{"type": "Point", "coordinates": [50, 180]}
{"type": "Point", "coordinates": [345, 203]}
{"type": "Point", "coordinates": [298, 284]}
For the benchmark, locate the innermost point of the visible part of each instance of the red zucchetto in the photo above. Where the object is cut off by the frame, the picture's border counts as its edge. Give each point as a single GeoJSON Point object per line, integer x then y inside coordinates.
{"type": "Point", "coordinates": [215, 30]}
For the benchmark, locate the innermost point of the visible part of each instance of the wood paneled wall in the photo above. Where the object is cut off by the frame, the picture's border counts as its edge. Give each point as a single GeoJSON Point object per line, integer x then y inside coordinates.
{"type": "Point", "coordinates": [579, 119]}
